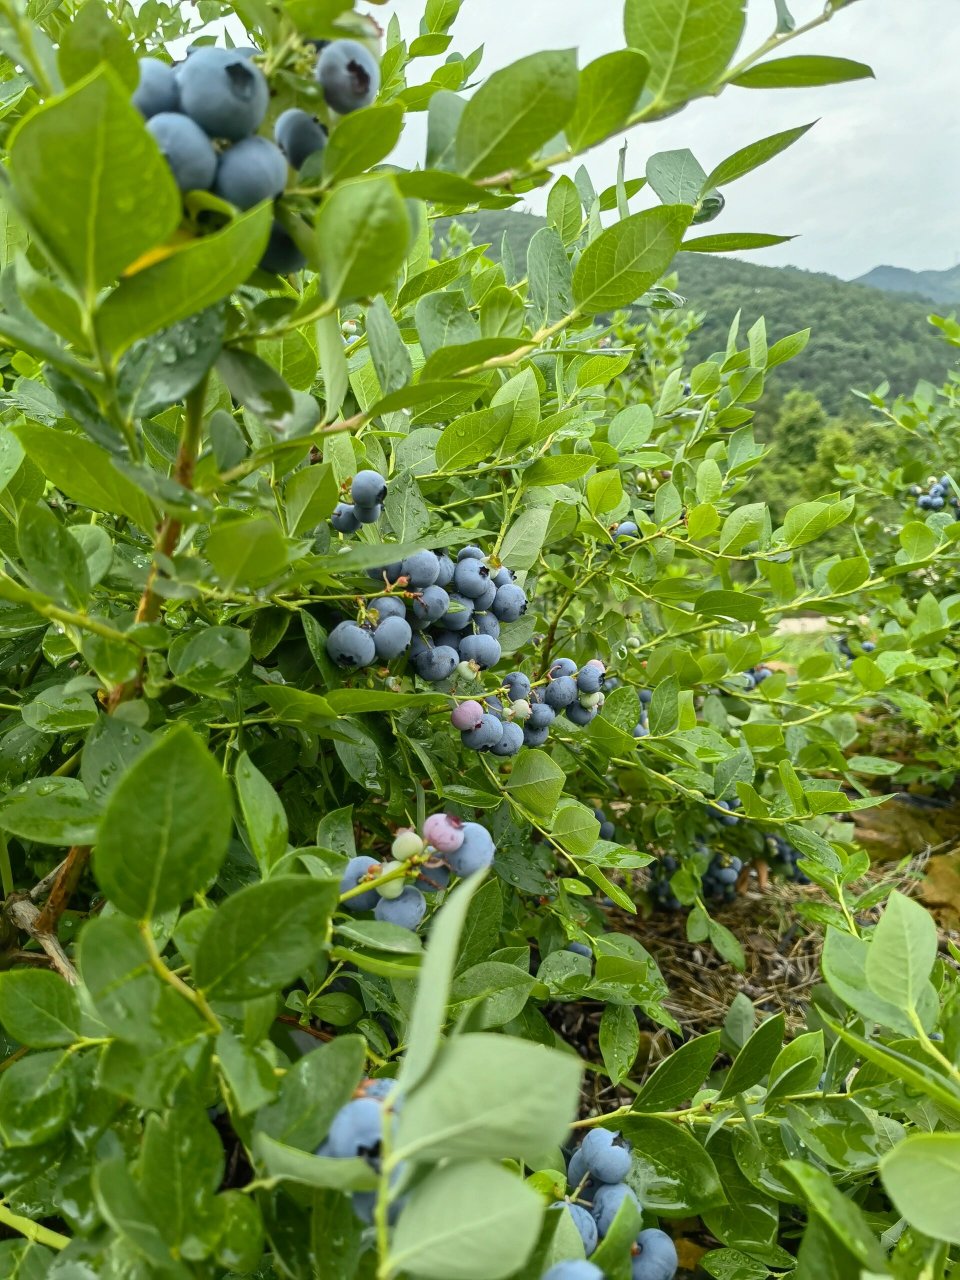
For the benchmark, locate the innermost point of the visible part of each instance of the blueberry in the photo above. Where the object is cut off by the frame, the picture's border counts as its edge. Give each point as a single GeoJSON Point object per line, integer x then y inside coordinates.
{"type": "Point", "coordinates": [381, 1088]}
{"type": "Point", "coordinates": [476, 851]}
{"type": "Point", "coordinates": [421, 569]}
{"type": "Point", "coordinates": [641, 730]}
{"type": "Point", "coordinates": [925, 503]}
{"type": "Point", "coordinates": [486, 735]}
{"type": "Point", "coordinates": [562, 667]}
{"type": "Point", "coordinates": [367, 515]}
{"type": "Point", "coordinates": [626, 529]}
{"type": "Point", "coordinates": [446, 569]}
{"type": "Point", "coordinates": [470, 578]}
{"type": "Point", "coordinates": [431, 604]}
{"type": "Point", "coordinates": [391, 638]}
{"type": "Point", "coordinates": [936, 504]}
{"type": "Point", "coordinates": [486, 599]}
{"type": "Point", "coordinates": [486, 624]}
{"type": "Point", "coordinates": [434, 877]}
{"type": "Point", "coordinates": [608, 1159]}
{"type": "Point", "coordinates": [657, 1257]}
{"type": "Point", "coordinates": [607, 831]}
{"type": "Point", "coordinates": [467, 716]}
{"type": "Point", "coordinates": [606, 1202]}
{"type": "Point", "coordinates": [590, 679]}
{"type": "Point", "coordinates": [444, 832]}
{"type": "Point", "coordinates": [542, 716]}
{"type": "Point", "coordinates": [579, 715]}
{"type": "Point", "coordinates": [299, 135]}
{"type": "Point", "coordinates": [250, 171]}
{"type": "Point", "coordinates": [937, 491]}
{"type": "Point", "coordinates": [517, 685]}
{"type": "Point", "coordinates": [483, 650]}
{"type": "Point", "coordinates": [157, 89]}
{"type": "Point", "coordinates": [511, 742]}
{"type": "Point", "coordinates": [348, 74]}
{"type": "Point", "coordinates": [646, 696]}
{"type": "Point", "coordinates": [388, 572]}
{"type": "Point", "coordinates": [351, 646]}
{"type": "Point", "coordinates": [436, 664]}
{"type": "Point", "coordinates": [510, 603]}
{"type": "Point", "coordinates": [356, 1130]}
{"type": "Point", "coordinates": [224, 92]}
{"type": "Point", "coordinates": [868, 646]}
{"type": "Point", "coordinates": [449, 639]}
{"type": "Point", "coordinates": [579, 949]}
{"type": "Point", "coordinates": [187, 150]}
{"type": "Point", "coordinates": [583, 1221]}
{"type": "Point", "coordinates": [356, 870]}
{"type": "Point", "coordinates": [503, 577]}
{"type": "Point", "coordinates": [387, 607]}
{"type": "Point", "coordinates": [407, 910]}
{"type": "Point", "coordinates": [406, 845]}
{"type": "Point", "coordinates": [281, 257]}
{"type": "Point", "coordinates": [574, 1269]}
{"type": "Point", "coordinates": [520, 710]}
{"type": "Point", "coordinates": [560, 693]}
{"type": "Point", "coordinates": [344, 518]}
{"type": "Point", "coordinates": [535, 737]}
{"type": "Point", "coordinates": [369, 489]}
{"type": "Point", "coordinates": [470, 553]}
{"type": "Point", "coordinates": [457, 617]}
{"type": "Point", "coordinates": [576, 1169]}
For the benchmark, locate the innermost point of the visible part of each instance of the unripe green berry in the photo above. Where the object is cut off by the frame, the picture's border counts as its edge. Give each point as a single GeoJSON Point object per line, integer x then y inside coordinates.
{"type": "Point", "coordinates": [393, 888]}
{"type": "Point", "coordinates": [520, 710]}
{"type": "Point", "coordinates": [468, 671]}
{"type": "Point", "coordinates": [406, 845]}
{"type": "Point", "coordinates": [633, 644]}
{"type": "Point", "coordinates": [591, 699]}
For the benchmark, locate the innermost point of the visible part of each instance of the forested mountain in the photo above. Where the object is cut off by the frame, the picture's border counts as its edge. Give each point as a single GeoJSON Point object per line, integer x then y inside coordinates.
{"type": "Point", "coordinates": [937, 286]}
{"type": "Point", "coordinates": [860, 335]}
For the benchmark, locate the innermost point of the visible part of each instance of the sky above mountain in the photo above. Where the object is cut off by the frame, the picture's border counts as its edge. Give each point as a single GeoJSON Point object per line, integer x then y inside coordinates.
{"type": "Point", "coordinates": [876, 181]}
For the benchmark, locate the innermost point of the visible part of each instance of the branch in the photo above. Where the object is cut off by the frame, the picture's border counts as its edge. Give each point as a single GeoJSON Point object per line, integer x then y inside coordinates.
{"type": "Point", "coordinates": [32, 1230]}
{"type": "Point", "coordinates": [67, 878]}
{"type": "Point", "coordinates": [26, 916]}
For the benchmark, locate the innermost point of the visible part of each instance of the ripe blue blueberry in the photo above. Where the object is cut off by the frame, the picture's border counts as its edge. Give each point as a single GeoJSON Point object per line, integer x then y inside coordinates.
{"type": "Point", "coordinates": [504, 576]}
{"type": "Point", "coordinates": [510, 603]}
{"type": "Point", "coordinates": [420, 570]}
{"type": "Point", "coordinates": [542, 716]}
{"type": "Point", "coordinates": [562, 667]}
{"type": "Point", "coordinates": [250, 171]}
{"type": "Point", "coordinates": [367, 515]}
{"type": "Point", "coordinates": [391, 638]}
{"type": "Point", "coordinates": [607, 1201]}
{"type": "Point", "coordinates": [387, 572]}
{"type": "Point", "coordinates": [387, 607]}
{"type": "Point", "coordinates": [344, 518]}
{"type": "Point", "coordinates": [356, 870]}
{"type": "Point", "coordinates": [579, 949]}
{"type": "Point", "coordinates": [574, 1269]}
{"type": "Point", "coordinates": [535, 737]}
{"type": "Point", "coordinates": [868, 646]}
{"type": "Point", "coordinates": [486, 735]}
{"type": "Point", "coordinates": [486, 624]}
{"type": "Point", "coordinates": [607, 830]}
{"type": "Point", "coordinates": [458, 615]}
{"type": "Point", "coordinates": [407, 910]}
{"type": "Point", "coordinates": [476, 851]}
{"type": "Point", "coordinates": [281, 257]}
{"type": "Point", "coordinates": [445, 569]}
{"type": "Point", "coordinates": [646, 696]}
{"type": "Point", "coordinates": [583, 1221]}
{"type": "Point", "coordinates": [449, 639]}
{"type": "Point", "coordinates": [436, 664]}
{"type": "Point", "coordinates": [224, 92]}
{"type": "Point", "coordinates": [641, 730]}
{"type": "Point", "coordinates": [590, 678]}
{"type": "Point", "coordinates": [560, 692]}
{"type": "Point", "coordinates": [626, 529]}
{"type": "Point", "coordinates": [430, 605]}
{"type": "Point", "coordinates": [470, 553]}
{"type": "Point", "coordinates": [356, 1130]}
{"type": "Point", "coordinates": [577, 1169]}
{"type": "Point", "coordinates": [157, 89]}
{"type": "Point", "coordinates": [348, 74]}
{"type": "Point", "coordinates": [607, 1157]}
{"type": "Point", "coordinates": [351, 646]}
{"type": "Point", "coordinates": [380, 1088]}
{"type": "Point", "coordinates": [299, 135]}
{"type": "Point", "coordinates": [657, 1259]}
{"type": "Point", "coordinates": [369, 489]}
{"type": "Point", "coordinates": [485, 600]}
{"type": "Point", "coordinates": [187, 150]}
{"type": "Point", "coordinates": [517, 685]}
{"type": "Point", "coordinates": [470, 578]}
{"type": "Point", "coordinates": [434, 876]}
{"type": "Point", "coordinates": [483, 650]}
{"type": "Point", "coordinates": [511, 741]}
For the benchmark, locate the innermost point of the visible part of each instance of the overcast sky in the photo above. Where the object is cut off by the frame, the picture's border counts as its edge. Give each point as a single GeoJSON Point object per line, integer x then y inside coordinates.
{"type": "Point", "coordinates": [876, 181]}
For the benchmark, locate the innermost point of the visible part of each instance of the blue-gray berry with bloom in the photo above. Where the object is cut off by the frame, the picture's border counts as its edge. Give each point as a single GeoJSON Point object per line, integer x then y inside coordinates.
{"type": "Point", "coordinates": [350, 645]}
{"type": "Point", "coordinates": [560, 693]}
{"type": "Point", "coordinates": [477, 850]}
{"type": "Point", "coordinates": [421, 570]}
{"type": "Point", "coordinates": [368, 488]}
{"type": "Point", "coordinates": [458, 615]}
{"type": "Point", "coordinates": [299, 135]}
{"type": "Point", "coordinates": [485, 736]}
{"type": "Point", "coordinates": [250, 171]}
{"type": "Point", "coordinates": [511, 741]}
{"type": "Point", "coordinates": [606, 1155]}
{"type": "Point", "coordinates": [483, 650]}
{"type": "Point", "coordinates": [407, 910]}
{"type": "Point", "coordinates": [391, 638]}
{"type": "Point", "coordinates": [510, 603]}
{"type": "Point", "coordinates": [656, 1258]}
{"type": "Point", "coordinates": [157, 89]}
{"type": "Point", "coordinates": [436, 664]}
{"type": "Point", "coordinates": [430, 605]}
{"type": "Point", "coordinates": [358, 869]}
{"type": "Point", "coordinates": [186, 148]}
{"type": "Point", "coordinates": [344, 518]}
{"type": "Point", "coordinates": [349, 75]}
{"type": "Point", "coordinates": [225, 93]}
{"type": "Point", "coordinates": [606, 1203]}
{"type": "Point", "coordinates": [583, 1221]}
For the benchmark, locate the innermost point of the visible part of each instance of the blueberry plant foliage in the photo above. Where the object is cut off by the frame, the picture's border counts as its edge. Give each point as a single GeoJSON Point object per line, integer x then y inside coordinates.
{"type": "Point", "coordinates": [280, 939]}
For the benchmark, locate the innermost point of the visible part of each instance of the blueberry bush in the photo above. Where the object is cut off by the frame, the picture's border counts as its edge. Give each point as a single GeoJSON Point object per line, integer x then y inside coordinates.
{"type": "Point", "coordinates": [382, 633]}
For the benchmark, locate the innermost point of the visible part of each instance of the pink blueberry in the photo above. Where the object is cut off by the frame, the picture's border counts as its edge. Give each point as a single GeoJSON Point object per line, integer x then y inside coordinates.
{"type": "Point", "coordinates": [444, 832]}
{"type": "Point", "coordinates": [467, 716]}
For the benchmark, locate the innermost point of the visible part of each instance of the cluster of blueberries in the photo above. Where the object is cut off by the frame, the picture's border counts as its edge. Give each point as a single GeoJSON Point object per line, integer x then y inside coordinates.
{"type": "Point", "coordinates": [221, 95]}
{"type": "Point", "coordinates": [756, 676]}
{"type": "Point", "coordinates": [937, 495]}
{"type": "Point", "coordinates": [356, 1132]}
{"type": "Point", "coordinates": [723, 871]}
{"type": "Point", "coordinates": [642, 728]}
{"type": "Point", "coordinates": [446, 613]}
{"type": "Point", "coordinates": [843, 644]}
{"type": "Point", "coordinates": [367, 493]}
{"type": "Point", "coordinates": [596, 1174]}
{"type": "Point", "coordinates": [487, 723]}
{"type": "Point", "coordinates": [783, 858]}
{"type": "Point", "coordinates": [446, 846]}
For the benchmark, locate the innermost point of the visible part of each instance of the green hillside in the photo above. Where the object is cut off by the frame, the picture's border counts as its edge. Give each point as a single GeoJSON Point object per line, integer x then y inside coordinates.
{"type": "Point", "coordinates": [938, 286]}
{"type": "Point", "coordinates": [860, 335]}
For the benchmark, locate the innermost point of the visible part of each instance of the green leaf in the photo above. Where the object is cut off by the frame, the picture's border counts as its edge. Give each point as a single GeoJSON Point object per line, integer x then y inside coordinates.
{"type": "Point", "coordinates": [126, 1211]}
{"type": "Point", "coordinates": [288, 1164]}
{"type": "Point", "coordinates": [536, 783]}
{"type": "Point", "coordinates": [676, 176]}
{"type": "Point", "coordinates": [550, 277]}
{"type": "Point", "coordinates": [902, 953]}
{"type": "Point", "coordinates": [361, 140]}
{"type": "Point", "coordinates": [524, 539]}
{"type": "Point", "coordinates": [249, 551]}
{"type": "Point", "coordinates": [313, 1090]}
{"type": "Point", "coordinates": [38, 1008]}
{"type": "Point", "coordinates": [83, 471]}
{"type": "Point", "coordinates": [688, 42]}
{"type": "Point", "coordinates": [264, 936]}
{"type": "Point", "coordinates": [92, 39]}
{"type": "Point", "coordinates": [619, 1040]}
{"type": "Point", "coordinates": [732, 241]}
{"type": "Point", "coordinates": [921, 1176]}
{"type": "Point", "coordinates": [474, 1220]}
{"type": "Point", "coordinates": [181, 1166]}
{"type": "Point", "coordinates": [801, 71]}
{"type": "Point", "coordinates": [474, 438]}
{"type": "Point", "coordinates": [678, 1078]}
{"type": "Point", "coordinates": [755, 1059]}
{"type": "Point", "coordinates": [196, 275]}
{"type": "Point", "coordinates": [165, 830]}
{"type": "Point", "coordinates": [753, 156]}
{"type": "Point", "coordinates": [515, 112]}
{"type": "Point", "coordinates": [362, 237]}
{"type": "Point", "coordinates": [845, 970]}
{"type": "Point", "coordinates": [672, 1174]}
{"type": "Point", "coordinates": [37, 1096]}
{"type": "Point", "coordinates": [92, 143]}
{"type": "Point", "coordinates": [479, 1118]}
{"type": "Point", "coordinates": [263, 814]}
{"type": "Point", "coordinates": [627, 258]}
{"type": "Point", "coordinates": [610, 87]}
{"type": "Point", "coordinates": [838, 1213]}
{"type": "Point", "coordinates": [564, 210]}
{"type": "Point", "coordinates": [50, 811]}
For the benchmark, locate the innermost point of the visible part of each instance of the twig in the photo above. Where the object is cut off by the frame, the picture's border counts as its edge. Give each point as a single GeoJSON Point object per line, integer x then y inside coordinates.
{"type": "Point", "coordinates": [70, 871]}
{"type": "Point", "coordinates": [32, 1230]}
{"type": "Point", "coordinates": [25, 916]}
{"type": "Point", "coordinates": [42, 887]}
